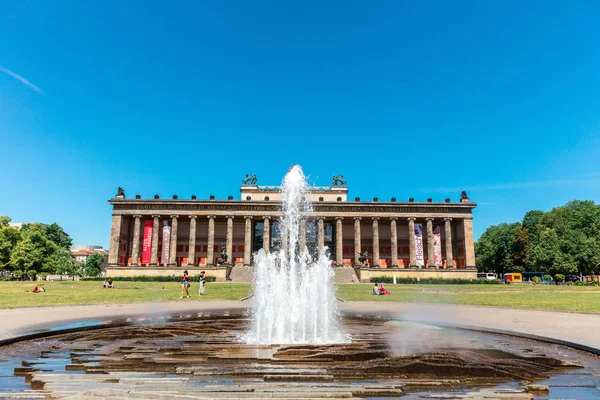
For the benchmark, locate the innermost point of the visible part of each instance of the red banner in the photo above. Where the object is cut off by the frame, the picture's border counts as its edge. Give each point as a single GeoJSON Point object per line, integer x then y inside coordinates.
{"type": "Point", "coordinates": [147, 243]}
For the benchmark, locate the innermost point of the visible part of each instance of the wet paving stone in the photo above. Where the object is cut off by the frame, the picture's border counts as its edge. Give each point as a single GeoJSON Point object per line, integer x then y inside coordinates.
{"type": "Point", "coordinates": [204, 357]}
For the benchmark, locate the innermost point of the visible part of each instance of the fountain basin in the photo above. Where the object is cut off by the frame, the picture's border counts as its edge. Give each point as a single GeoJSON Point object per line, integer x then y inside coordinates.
{"type": "Point", "coordinates": [205, 357]}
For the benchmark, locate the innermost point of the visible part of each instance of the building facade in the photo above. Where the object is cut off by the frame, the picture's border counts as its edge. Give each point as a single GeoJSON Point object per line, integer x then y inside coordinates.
{"type": "Point", "coordinates": [162, 236]}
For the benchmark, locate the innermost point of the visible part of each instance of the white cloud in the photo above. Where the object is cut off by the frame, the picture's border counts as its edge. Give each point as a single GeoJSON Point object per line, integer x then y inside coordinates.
{"type": "Point", "coordinates": [22, 80]}
{"type": "Point", "coordinates": [519, 185]}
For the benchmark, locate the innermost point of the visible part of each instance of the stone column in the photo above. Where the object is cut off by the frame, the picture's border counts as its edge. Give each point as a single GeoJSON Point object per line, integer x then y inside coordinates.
{"type": "Point", "coordinates": [375, 242]}
{"type": "Point", "coordinates": [430, 253]}
{"type": "Point", "coordinates": [394, 242]}
{"type": "Point", "coordinates": [135, 248]}
{"type": "Point", "coordinates": [356, 240]}
{"type": "Point", "coordinates": [302, 238]}
{"type": "Point", "coordinates": [411, 242]}
{"type": "Point", "coordinates": [267, 234]}
{"type": "Point", "coordinates": [173, 249]}
{"type": "Point", "coordinates": [469, 243]}
{"type": "Point", "coordinates": [155, 228]}
{"type": "Point", "coordinates": [339, 242]}
{"type": "Point", "coordinates": [210, 251]}
{"type": "Point", "coordinates": [229, 240]}
{"type": "Point", "coordinates": [248, 241]}
{"type": "Point", "coordinates": [448, 235]}
{"type": "Point", "coordinates": [115, 240]}
{"type": "Point", "coordinates": [192, 241]}
{"type": "Point", "coordinates": [320, 233]}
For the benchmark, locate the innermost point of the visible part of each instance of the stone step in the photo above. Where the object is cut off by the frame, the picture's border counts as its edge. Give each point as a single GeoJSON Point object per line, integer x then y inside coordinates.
{"type": "Point", "coordinates": [344, 275]}
{"type": "Point", "coordinates": [241, 274]}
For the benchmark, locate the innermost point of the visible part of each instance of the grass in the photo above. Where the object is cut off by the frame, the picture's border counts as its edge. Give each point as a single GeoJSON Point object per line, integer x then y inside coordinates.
{"type": "Point", "coordinates": [13, 294]}
{"type": "Point", "coordinates": [564, 298]}
{"type": "Point", "coordinates": [548, 297]}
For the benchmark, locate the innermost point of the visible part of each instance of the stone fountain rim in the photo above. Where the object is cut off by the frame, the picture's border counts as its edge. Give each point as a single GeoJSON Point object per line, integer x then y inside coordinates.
{"type": "Point", "coordinates": [174, 318]}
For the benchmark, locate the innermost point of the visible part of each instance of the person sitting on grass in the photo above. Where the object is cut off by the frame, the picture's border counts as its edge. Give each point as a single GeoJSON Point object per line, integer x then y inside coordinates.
{"type": "Point", "coordinates": [376, 289]}
{"type": "Point", "coordinates": [382, 289]}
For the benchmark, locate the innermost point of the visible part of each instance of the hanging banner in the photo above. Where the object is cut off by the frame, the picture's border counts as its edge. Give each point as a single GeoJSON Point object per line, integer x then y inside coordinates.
{"type": "Point", "coordinates": [166, 243]}
{"type": "Point", "coordinates": [437, 246]}
{"type": "Point", "coordinates": [147, 243]}
{"type": "Point", "coordinates": [419, 245]}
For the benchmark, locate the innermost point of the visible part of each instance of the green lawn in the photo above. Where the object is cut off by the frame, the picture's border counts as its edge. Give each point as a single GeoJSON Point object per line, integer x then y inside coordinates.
{"type": "Point", "coordinates": [549, 297]}
{"type": "Point", "coordinates": [13, 294]}
{"type": "Point", "coordinates": [569, 298]}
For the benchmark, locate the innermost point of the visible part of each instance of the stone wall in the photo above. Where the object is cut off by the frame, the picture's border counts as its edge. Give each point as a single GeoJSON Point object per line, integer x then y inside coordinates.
{"type": "Point", "coordinates": [217, 272]}
{"type": "Point", "coordinates": [366, 274]}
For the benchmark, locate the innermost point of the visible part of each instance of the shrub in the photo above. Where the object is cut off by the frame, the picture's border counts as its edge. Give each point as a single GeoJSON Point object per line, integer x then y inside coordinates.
{"type": "Point", "coordinates": [5, 278]}
{"type": "Point", "coordinates": [559, 277]}
{"type": "Point", "coordinates": [32, 273]}
{"type": "Point", "coordinates": [547, 278]}
{"type": "Point", "coordinates": [146, 278]}
{"type": "Point", "coordinates": [581, 283]}
{"type": "Point", "coordinates": [536, 279]}
{"type": "Point", "coordinates": [17, 273]}
{"type": "Point", "coordinates": [433, 281]}
{"type": "Point", "coordinates": [594, 283]}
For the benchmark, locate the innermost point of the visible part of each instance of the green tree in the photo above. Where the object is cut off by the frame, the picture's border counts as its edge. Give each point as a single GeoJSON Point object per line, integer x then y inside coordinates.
{"type": "Point", "coordinates": [521, 248]}
{"type": "Point", "coordinates": [93, 265]}
{"type": "Point", "coordinates": [34, 251]}
{"type": "Point", "coordinates": [531, 220]}
{"type": "Point", "coordinates": [56, 234]}
{"type": "Point", "coordinates": [9, 237]}
{"type": "Point", "coordinates": [64, 262]}
{"type": "Point", "coordinates": [494, 249]}
{"type": "Point", "coordinates": [4, 220]}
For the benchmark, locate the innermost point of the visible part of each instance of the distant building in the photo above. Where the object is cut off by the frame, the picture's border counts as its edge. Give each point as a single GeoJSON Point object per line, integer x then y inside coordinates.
{"type": "Point", "coordinates": [82, 252]}
{"type": "Point", "coordinates": [161, 236]}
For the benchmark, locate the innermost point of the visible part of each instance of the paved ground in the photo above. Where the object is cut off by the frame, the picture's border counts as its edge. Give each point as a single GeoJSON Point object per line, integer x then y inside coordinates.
{"type": "Point", "coordinates": [571, 327]}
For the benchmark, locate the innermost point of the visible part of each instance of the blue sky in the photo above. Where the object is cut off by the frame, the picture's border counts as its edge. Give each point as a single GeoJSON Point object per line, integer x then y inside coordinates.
{"type": "Point", "coordinates": [404, 98]}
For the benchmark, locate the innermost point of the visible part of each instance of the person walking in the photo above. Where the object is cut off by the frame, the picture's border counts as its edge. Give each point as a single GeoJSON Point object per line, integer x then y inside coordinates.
{"type": "Point", "coordinates": [202, 280]}
{"type": "Point", "coordinates": [185, 284]}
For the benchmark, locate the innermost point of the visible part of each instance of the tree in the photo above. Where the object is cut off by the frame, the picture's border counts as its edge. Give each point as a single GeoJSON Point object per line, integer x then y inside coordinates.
{"type": "Point", "coordinates": [4, 220]}
{"type": "Point", "coordinates": [494, 249]}
{"type": "Point", "coordinates": [9, 237]}
{"type": "Point", "coordinates": [531, 221]}
{"type": "Point", "coordinates": [64, 262]}
{"type": "Point", "coordinates": [521, 248]}
{"type": "Point", "coordinates": [93, 265]}
{"type": "Point", "coordinates": [56, 234]}
{"type": "Point", "coordinates": [33, 251]}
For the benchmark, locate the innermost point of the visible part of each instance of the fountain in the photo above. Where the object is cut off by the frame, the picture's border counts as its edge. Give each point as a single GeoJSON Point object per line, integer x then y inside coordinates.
{"type": "Point", "coordinates": [292, 347]}
{"type": "Point", "coordinates": [294, 300]}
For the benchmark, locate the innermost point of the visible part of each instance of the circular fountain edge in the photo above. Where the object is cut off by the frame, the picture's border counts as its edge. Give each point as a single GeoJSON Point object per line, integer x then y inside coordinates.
{"type": "Point", "coordinates": [236, 313]}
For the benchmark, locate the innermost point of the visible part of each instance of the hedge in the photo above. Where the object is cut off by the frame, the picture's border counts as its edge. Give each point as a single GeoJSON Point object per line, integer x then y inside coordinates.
{"type": "Point", "coordinates": [434, 281]}
{"type": "Point", "coordinates": [145, 278]}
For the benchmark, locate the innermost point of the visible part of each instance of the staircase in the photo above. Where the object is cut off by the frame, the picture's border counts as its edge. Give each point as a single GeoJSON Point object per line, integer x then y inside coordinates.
{"type": "Point", "coordinates": [344, 275]}
{"type": "Point", "coordinates": [241, 274]}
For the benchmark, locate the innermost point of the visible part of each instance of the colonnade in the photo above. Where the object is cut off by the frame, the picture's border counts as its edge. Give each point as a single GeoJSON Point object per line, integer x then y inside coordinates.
{"type": "Point", "coordinates": [467, 229]}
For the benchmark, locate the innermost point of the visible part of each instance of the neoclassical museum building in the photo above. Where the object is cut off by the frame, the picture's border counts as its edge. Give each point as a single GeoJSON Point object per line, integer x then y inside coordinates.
{"type": "Point", "coordinates": [377, 237]}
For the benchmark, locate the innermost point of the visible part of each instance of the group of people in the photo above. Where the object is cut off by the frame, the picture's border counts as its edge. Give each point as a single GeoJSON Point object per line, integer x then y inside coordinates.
{"type": "Point", "coordinates": [185, 284]}
{"type": "Point", "coordinates": [380, 290]}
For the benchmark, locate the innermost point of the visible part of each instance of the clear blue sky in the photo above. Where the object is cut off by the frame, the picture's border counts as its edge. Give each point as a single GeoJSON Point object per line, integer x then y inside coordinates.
{"type": "Point", "coordinates": [404, 98]}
